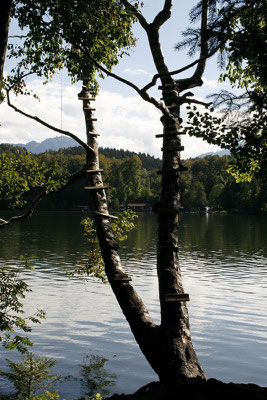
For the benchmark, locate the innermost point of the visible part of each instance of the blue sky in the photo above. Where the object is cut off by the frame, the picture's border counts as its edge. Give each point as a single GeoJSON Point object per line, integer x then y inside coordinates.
{"type": "Point", "coordinates": [124, 120]}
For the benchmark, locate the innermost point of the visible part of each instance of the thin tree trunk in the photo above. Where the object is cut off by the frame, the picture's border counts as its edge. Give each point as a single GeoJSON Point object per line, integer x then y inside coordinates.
{"type": "Point", "coordinates": [4, 28]}
{"type": "Point", "coordinates": [177, 353]}
{"type": "Point", "coordinates": [145, 331]}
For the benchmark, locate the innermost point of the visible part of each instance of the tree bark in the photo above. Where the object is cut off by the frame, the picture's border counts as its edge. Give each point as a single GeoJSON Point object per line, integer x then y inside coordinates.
{"type": "Point", "coordinates": [145, 331]}
{"type": "Point", "coordinates": [168, 347]}
{"type": "Point", "coordinates": [177, 353]}
{"type": "Point", "coordinates": [4, 28]}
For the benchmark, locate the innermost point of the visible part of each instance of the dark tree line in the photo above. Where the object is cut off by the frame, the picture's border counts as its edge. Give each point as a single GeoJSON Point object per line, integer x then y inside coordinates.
{"type": "Point", "coordinates": [133, 178]}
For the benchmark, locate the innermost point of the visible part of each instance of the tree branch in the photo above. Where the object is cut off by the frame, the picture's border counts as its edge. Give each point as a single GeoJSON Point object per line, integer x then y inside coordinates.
{"type": "Point", "coordinates": [143, 22]}
{"type": "Point", "coordinates": [163, 15]}
{"type": "Point", "coordinates": [40, 121]}
{"type": "Point", "coordinates": [177, 71]}
{"type": "Point", "coordinates": [17, 36]}
{"type": "Point", "coordinates": [194, 101]}
{"type": "Point", "coordinates": [145, 96]}
{"type": "Point", "coordinates": [72, 179]}
{"type": "Point", "coordinates": [195, 79]}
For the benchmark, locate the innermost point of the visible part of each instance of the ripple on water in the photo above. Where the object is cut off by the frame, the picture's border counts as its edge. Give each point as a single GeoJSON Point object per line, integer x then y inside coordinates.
{"type": "Point", "coordinates": [224, 271]}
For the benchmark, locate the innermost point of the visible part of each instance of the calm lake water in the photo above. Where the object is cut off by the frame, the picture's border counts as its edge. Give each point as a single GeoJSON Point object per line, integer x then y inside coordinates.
{"type": "Point", "coordinates": [223, 260]}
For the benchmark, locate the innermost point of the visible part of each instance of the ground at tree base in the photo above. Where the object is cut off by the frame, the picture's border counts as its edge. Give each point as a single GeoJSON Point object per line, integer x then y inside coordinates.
{"type": "Point", "coordinates": [196, 389]}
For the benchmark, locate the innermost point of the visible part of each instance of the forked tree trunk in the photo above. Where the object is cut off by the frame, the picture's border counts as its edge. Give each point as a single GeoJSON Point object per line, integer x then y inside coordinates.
{"type": "Point", "coordinates": [167, 347]}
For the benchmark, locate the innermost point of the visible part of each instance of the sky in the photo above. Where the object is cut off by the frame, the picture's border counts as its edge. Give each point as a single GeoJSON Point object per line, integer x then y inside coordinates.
{"type": "Point", "coordinates": [124, 120]}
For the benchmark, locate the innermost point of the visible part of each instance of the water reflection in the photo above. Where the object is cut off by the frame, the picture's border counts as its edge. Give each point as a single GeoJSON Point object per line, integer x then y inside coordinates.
{"type": "Point", "coordinates": [223, 259]}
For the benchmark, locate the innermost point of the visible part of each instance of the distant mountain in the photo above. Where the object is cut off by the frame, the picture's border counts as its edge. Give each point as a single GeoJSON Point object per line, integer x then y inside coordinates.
{"type": "Point", "coordinates": [59, 142]}
{"type": "Point", "coordinates": [55, 143]}
{"type": "Point", "coordinates": [219, 153]}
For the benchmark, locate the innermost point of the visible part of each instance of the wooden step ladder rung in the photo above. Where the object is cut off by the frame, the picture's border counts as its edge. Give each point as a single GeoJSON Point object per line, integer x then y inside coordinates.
{"type": "Point", "coordinates": [86, 98]}
{"type": "Point", "coordinates": [104, 215]}
{"type": "Point", "coordinates": [172, 148]}
{"type": "Point", "coordinates": [177, 297]}
{"type": "Point", "coordinates": [94, 171]}
{"type": "Point", "coordinates": [96, 187]}
{"type": "Point", "coordinates": [122, 277]}
{"type": "Point", "coordinates": [171, 134]}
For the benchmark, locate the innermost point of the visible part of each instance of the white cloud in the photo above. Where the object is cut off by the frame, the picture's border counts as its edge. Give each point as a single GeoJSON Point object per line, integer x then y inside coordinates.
{"type": "Point", "coordinates": [125, 122]}
{"type": "Point", "coordinates": [137, 72]}
{"type": "Point", "coordinates": [16, 128]}
{"type": "Point", "coordinates": [210, 83]}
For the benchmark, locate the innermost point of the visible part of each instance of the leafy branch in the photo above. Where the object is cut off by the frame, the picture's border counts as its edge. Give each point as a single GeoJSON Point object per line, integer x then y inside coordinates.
{"type": "Point", "coordinates": [45, 192]}
{"type": "Point", "coordinates": [94, 266]}
{"type": "Point", "coordinates": [12, 291]}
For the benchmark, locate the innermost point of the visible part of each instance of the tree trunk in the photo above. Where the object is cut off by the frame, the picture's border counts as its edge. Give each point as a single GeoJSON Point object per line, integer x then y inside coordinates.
{"type": "Point", "coordinates": [4, 27]}
{"type": "Point", "coordinates": [178, 355]}
{"type": "Point", "coordinates": [145, 331]}
{"type": "Point", "coordinates": [167, 347]}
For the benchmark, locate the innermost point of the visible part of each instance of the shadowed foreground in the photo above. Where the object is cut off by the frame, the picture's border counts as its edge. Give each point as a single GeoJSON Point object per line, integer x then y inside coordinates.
{"type": "Point", "coordinates": [197, 389]}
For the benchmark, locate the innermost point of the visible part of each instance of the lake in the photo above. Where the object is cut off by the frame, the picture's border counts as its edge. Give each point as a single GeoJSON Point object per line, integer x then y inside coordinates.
{"type": "Point", "coordinates": [223, 262]}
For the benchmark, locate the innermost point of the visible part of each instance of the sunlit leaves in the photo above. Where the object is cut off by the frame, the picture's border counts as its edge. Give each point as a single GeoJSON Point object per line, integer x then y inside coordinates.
{"type": "Point", "coordinates": [246, 139]}
{"type": "Point", "coordinates": [63, 34]}
{"type": "Point", "coordinates": [124, 224]}
{"type": "Point", "coordinates": [94, 266]}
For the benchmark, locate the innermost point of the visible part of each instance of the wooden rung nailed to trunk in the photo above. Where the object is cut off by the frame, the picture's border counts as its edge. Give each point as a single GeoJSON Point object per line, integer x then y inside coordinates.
{"type": "Point", "coordinates": [89, 108]}
{"type": "Point", "coordinates": [174, 134]}
{"type": "Point", "coordinates": [96, 187]}
{"type": "Point", "coordinates": [94, 171]}
{"type": "Point", "coordinates": [122, 277]}
{"type": "Point", "coordinates": [104, 215]}
{"type": "Point", "coordinates": [172, 148]}
{"type": "Point", "coordinates": [177, 297]}
{"type": "Point", "coordinates": [86, 98]}
{"type": "Point", "coordinates": [93, 134]}
{"type": "Point", "coordinates": [88, 118]}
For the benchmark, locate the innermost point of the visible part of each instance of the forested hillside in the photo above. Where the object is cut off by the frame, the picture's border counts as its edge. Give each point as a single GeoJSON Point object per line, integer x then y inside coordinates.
{"type": "Point", "coordinates": [134, 179]}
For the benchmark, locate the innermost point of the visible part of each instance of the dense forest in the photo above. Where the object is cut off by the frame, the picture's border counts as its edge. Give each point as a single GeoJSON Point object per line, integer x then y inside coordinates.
{"type": "Point", "coordinates": [133, 178]}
